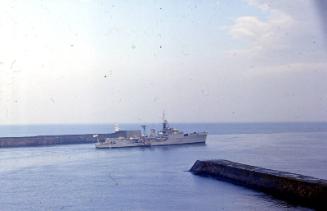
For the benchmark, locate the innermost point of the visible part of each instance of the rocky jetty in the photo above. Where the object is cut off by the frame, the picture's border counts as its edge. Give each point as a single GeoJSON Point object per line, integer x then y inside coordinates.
{"type": "Point", "coordinates": [295, 188]}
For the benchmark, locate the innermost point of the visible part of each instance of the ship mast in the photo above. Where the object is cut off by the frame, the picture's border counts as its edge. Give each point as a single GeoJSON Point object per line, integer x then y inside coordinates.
{"type": "Point", "coordinates": [164, 123]}
{"type": "Point", "coordinates": [144, 129]}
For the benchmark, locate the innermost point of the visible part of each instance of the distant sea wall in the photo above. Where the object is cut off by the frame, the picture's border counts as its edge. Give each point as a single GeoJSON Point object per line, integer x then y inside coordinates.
{"type": "Point", "coordinates": [49, 140]}
{"type": "Point", "coordinates": [63, 139]}
{"type": "Point", "coordinates": [296, 188]}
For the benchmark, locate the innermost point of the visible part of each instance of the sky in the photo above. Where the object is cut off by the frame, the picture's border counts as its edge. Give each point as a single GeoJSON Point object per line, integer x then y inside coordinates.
{"type": "Point", "coordinates": [96, 61]}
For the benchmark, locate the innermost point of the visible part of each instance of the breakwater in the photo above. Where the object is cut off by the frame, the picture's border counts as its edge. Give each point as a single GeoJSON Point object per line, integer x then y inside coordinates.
{"type": "Point", "coordinates": [296, 188]}
{"type": "Point", "coordinates": [49, 140]}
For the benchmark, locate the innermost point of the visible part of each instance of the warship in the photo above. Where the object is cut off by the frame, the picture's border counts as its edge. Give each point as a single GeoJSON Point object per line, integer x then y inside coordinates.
{"type": "Point", "coordinates": [167, 136]}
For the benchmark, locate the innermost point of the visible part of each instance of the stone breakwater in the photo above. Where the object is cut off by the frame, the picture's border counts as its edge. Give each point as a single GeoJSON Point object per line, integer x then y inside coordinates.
{"type": "Point", "coordinates": [49, 140]}
{"type": "Point", "coordinates": [295, 188]}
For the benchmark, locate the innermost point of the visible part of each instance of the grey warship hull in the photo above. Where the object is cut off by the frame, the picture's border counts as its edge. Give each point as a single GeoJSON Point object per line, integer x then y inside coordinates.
{"type": "Point", "coordinates": [120, 145]}
{"type": "Point", "coordinates": [179, 139]}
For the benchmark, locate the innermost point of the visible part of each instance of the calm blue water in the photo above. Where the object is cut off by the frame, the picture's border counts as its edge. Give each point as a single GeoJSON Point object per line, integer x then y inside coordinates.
{"type": "Point", "coordinates": [79, 177]}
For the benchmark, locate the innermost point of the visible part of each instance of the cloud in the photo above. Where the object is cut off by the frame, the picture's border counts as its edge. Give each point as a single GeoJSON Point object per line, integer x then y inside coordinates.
{"type": "Point", "coordinates": [283, 65]}
{"type": "Point", "coordinates": [288, 35]}
{"type": "Point", "coordinates": [249, 27]}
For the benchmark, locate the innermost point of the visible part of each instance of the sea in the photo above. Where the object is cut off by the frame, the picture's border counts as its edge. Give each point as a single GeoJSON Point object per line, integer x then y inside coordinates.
{"type": "Point", "coordinates": [80, 177]}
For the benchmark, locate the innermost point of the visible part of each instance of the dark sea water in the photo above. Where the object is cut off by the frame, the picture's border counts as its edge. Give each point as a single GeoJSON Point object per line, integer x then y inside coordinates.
{"type": "Point", "coordinates": [79, 177]}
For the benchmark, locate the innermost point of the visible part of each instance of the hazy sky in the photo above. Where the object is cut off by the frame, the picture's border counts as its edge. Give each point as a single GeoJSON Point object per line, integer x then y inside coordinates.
{"type": "Point", "coordinates": [92, 61]}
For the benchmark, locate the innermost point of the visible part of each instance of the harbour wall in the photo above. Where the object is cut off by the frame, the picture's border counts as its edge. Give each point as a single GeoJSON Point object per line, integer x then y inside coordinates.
{"type": "Point", "coordinates": [63, 139]}
{"type": "Point", "coordinates": [49, 140]}
{"type": "Point", "coordinates": [295, 188]}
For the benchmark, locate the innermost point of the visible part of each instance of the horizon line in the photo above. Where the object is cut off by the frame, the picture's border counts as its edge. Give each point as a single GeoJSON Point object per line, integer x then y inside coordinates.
{"type": "Point", "coordinates": [177, 122]}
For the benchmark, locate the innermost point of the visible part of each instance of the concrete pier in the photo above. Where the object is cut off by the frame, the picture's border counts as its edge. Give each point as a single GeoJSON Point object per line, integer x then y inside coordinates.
{"type": "Point", "coordinates": [49, 140]}
{"type": "Point", "coordinates": [295, 188]}
{"type": "Point", "coordinates": [44, 140]}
